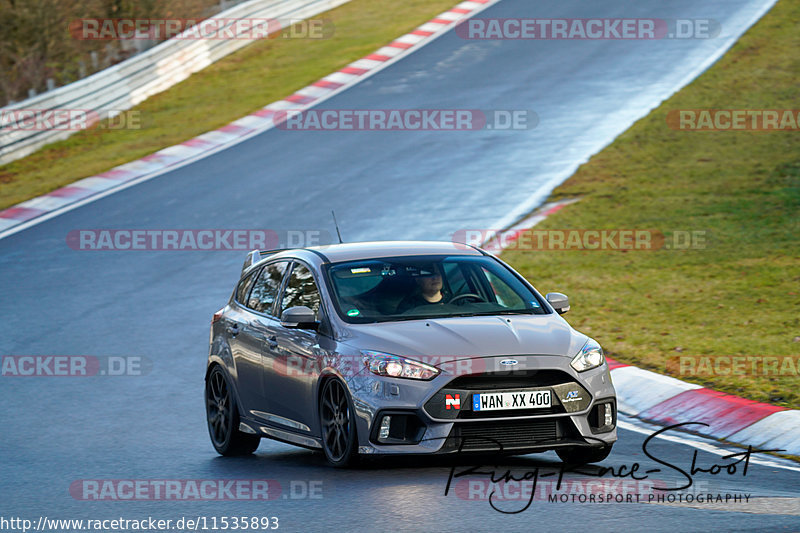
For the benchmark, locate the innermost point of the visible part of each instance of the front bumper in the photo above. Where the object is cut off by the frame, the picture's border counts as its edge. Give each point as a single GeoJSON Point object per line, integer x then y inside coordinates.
{"type": "Point", "coordinates": [568, 422]}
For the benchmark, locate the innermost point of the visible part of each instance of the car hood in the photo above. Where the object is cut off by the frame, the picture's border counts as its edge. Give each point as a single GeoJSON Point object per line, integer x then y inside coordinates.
{"type": "Point", "coordinates": [464, 337]}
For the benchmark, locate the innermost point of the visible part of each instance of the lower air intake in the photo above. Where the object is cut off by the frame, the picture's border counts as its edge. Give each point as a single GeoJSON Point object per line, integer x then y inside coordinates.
{"type": "Point", "coordinates": [490, 436]}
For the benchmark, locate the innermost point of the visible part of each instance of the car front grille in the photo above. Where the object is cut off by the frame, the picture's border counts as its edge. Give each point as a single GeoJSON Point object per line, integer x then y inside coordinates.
{"type": "Point", "coordinates": [510, 434]}
{"type": "Point", "coordinates": [472, 415]}
{"type": "Point", "coordinates": [517, 379]}
{"type": "Point", "coordinates": [462, 388]}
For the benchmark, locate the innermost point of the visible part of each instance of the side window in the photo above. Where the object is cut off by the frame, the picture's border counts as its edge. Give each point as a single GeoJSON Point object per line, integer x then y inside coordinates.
{"type": "Point", "coordinates": [244, 288]}
{"type": "Point", "coordinates": [265, 289]}
{"type": "Point", "coordinates": [301, 290]}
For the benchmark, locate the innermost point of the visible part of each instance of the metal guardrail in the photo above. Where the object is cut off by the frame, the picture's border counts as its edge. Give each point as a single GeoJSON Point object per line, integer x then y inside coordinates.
{"type": "Point", "coordinates": [132, 81]}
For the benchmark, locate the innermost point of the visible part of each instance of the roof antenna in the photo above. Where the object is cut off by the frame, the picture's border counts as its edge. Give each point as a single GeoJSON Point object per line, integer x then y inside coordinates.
{"type": "Point", "coordinates": [338, 233]}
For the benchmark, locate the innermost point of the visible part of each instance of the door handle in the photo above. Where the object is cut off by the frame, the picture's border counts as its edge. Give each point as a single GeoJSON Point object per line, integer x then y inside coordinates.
{"type": "Point", "coordinates": [272, 342]}
{"type": "Point", "coordinates": [233, 329]}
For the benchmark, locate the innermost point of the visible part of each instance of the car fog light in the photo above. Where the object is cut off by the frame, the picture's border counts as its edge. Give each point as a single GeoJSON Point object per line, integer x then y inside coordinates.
{"type": "Point", "coordinates": [608, 418]}
{"type": "Point", "coordinates": [386, 422]}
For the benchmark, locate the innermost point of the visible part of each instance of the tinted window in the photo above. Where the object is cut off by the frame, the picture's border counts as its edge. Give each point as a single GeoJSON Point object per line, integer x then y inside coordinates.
{"type": "Point", "coordinates": [504, 295]}
{"type": "Point", "coordinates": [407, 288]}
{"type": "Point", "coordinates": [244, 288]}
{"type": "Point", "coordinates": [454, 276]}
{"type": "Point", "coordinates": [301, 290]}
{"type": "Point", "coordinates": [265, 290]}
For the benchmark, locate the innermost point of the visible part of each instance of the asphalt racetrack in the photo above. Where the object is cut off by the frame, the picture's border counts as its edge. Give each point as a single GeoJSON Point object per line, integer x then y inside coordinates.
{"type": "Point", "coordinates": [383, 185]}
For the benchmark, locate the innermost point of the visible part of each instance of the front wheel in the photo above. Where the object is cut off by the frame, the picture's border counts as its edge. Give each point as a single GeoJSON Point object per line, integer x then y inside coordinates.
{"type": "Point", "coordinates": [582, 456]}
{"type": "Point", "coordinates": [223, 418]}
{"type": "Point", "coordinates": [339, 441]}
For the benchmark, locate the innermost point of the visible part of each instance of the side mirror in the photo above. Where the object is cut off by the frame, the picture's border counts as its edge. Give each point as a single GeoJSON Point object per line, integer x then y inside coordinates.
{"type": "Point", "coordinates": [300, 317]}
{"type": "Point", "coordinates": [559, 301]}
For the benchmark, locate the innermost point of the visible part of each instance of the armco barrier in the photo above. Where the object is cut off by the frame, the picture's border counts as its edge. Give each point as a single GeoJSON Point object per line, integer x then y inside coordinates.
{"type": "Point", "coordinates": [128, 83]}
{"type": "Point", "coordinates": [29, 212]}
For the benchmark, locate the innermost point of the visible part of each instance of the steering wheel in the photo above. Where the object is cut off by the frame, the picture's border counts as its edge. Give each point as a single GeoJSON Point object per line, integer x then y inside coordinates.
{"type": "Point", "coordinates": [467, 295]}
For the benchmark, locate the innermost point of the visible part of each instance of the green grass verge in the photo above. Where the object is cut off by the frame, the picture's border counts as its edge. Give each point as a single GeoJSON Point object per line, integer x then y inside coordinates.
{"type": "Point", "coordinates": [235, 86]}
{"type": "Point", "coordinates": [739, 295]}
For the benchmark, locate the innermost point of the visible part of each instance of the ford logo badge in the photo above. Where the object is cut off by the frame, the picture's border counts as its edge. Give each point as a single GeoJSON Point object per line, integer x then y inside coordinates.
{"type": "Point", "coordinates": [509, 362]}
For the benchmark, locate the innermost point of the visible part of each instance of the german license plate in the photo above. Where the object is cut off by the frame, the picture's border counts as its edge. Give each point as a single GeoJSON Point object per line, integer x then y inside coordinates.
{"type": "Point", "coordinates": [498, 401]}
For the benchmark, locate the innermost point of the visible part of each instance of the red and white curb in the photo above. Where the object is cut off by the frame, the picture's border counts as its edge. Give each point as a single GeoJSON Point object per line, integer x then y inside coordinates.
{"type": "Point", "coordinates": [666, 401]}
{"type": "Point", "coordinates": [83, 191]}
{"type": "Point", "coordinates": [497, 244]}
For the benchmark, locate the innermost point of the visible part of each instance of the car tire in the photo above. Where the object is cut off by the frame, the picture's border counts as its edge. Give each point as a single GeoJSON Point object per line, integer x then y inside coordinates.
{"type": "Point", "coordinates": [222, 416]}
{"type": "Point", "coordinates": [583, 455]}
{"type": "Point", "coordinates": [338, 424]}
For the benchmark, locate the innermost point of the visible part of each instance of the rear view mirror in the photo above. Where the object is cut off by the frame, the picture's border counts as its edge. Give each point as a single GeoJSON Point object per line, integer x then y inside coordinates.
{"type": "Point", "coordinates": [558, 301]}
{"type": "Point", "coordinates": [300, 317]}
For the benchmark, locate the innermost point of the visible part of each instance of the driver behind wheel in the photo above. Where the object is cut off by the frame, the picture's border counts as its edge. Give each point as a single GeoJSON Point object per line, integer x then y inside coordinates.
{"type": "Point", "coordinates": [427, 292]}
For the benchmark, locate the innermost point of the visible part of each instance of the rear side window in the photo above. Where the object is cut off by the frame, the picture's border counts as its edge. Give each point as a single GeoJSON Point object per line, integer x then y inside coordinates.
{"type": "Point", "coordinates": [265, 290]}
{"type": "Point", "coordinates": [301, 290]}
{"type": "Point", "coordinates": [244, 288]}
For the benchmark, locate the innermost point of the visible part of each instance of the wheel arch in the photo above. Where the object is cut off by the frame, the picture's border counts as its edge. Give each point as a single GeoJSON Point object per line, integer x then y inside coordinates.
{"type": "Point", "coordinates": [320, 386]}
{"type": "Point", "coordinates": [217, 362]}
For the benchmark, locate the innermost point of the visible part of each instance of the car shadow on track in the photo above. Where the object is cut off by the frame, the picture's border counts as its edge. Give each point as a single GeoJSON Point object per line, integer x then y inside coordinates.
{"type": "Point", "coordinates": [300, 459]}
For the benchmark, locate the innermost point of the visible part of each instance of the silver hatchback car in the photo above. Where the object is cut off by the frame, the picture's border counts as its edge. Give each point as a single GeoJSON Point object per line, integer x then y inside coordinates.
{"type": "Point", "coordinates": [402, 348]}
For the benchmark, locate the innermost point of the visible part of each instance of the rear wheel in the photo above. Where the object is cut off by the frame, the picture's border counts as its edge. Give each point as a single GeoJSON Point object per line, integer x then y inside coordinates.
{"type": "Point", "coordinates": [223, 418]}
{"type": "Point", "coordinates": [581, 455]}
{"type": "Point", "coordinates": [337, 420]}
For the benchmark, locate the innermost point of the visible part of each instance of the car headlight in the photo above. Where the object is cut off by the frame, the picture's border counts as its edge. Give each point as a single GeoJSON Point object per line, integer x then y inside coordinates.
{"type": "Point", "coordinates": [590, 356]}
{"type": "Point", "coordinates": [386, 364]}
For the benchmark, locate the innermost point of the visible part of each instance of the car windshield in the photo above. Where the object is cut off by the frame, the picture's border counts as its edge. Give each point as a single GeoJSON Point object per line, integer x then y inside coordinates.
{"type": "Point", "coordinates": [408, 288]}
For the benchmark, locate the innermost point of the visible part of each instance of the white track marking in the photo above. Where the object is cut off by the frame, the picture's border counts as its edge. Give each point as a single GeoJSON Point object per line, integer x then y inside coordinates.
{"type": "Point", "coordinates": [702, 443]}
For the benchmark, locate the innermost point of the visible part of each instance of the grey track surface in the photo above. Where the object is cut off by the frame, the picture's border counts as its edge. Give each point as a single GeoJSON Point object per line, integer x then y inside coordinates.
{"type": "Point", "coordinates": [383, 185]}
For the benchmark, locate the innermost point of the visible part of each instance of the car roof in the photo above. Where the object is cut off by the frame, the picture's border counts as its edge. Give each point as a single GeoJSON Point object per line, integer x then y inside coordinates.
{"type": "Point", "coordinates": [354, 251]}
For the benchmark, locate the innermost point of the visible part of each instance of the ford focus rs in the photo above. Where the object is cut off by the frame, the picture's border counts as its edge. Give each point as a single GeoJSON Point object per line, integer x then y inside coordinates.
{"type": "Point", "coordinates": [402, 348]}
